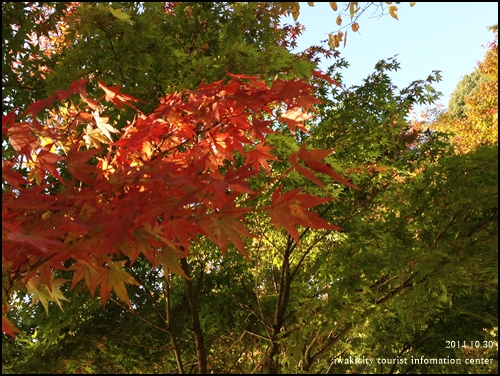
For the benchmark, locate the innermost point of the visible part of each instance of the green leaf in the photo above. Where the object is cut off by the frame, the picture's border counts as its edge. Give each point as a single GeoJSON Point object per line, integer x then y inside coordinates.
{"type": "Point", "coordinates": [122, 16]}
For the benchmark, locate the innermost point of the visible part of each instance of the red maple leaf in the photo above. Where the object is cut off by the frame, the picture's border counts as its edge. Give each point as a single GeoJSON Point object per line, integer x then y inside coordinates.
{"type": "Point", "coordinates": [312, 160]}
{"type": "Point", "coordinates": [113, 95]}
{"type": "Point", "coordinates": [7, 326]}
{"type": "Point", "coordinates": [259, 128]}
{"type": "Point", "coordinates": [224, 225]}
{"type": "Point", "coordinates": [22, 139]}
{"type": "Point", "coordinates": [36, 107]}
{"type": "Point", "coordinates": [327, 78]}
{"type": "Point", "coordinates": [11, 176]}
{"type": "Point", "coordinates": [46, 160]}
{"type": "Point", "coordinates": [75, 87]}
{"type": "Point", "coordinates": [8, 120]}
{"type": "Point", "coordinates": [77, 166]}
{"type": "Point", "coordinates": [187, 163]}
{"type": "Point", "coordinates": [289, 210]}
{"type": "Point", "coordinates": [259, 157]}
{"type": "Point", "coordinates": [294, 118]}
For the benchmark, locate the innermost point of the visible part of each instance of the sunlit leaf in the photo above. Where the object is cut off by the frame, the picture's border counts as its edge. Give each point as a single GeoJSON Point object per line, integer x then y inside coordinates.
{"type": "Point", "coordinates": [40, 292]}
{"type": "Point", "coordinates": [392, 11]}
{"type": "Point", "coordinates": [122, 16]}
{"type": "Point", "coordinates": [295, 11]}
{"type": "Point", "coordinates": [331, 41]}
{"type": "Point", "coordinates": [352, 8]}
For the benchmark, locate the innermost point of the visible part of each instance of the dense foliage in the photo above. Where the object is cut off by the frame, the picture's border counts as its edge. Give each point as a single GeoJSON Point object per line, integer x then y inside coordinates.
{"type": "Point", "coordinates": [166, 185]}
{"type": "Point", "coordinates": [472, 116]}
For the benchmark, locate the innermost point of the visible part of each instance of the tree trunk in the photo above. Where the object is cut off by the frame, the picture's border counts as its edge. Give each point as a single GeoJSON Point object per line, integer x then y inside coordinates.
{"type": "Point", "coordinates": [271, 364]}
{"type": "Point", "coordinates": [201, 351]}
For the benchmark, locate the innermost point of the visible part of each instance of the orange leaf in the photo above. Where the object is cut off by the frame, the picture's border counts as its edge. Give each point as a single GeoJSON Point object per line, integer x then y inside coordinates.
{"type": "Point", "coordinates": [8, 327]}
{"type": "Point", "coordinates": [169, 259]}
{"type": "Point", "coordinates": [311, 159]}
{"type": "Point", "coordinates": [338, 21]}
{"type": "Point", "coordinates": [83, 270]}
{"type": "Point", "coordinates": [22, 140]}
{"type": "Point", "coordinates": [223, 226]}
{"type": "Point", "coordinates": [259, 157]}
{"type": "Point", "coordinates": [294, 118]}
{"type": "Point", "coordinates": [113, 95]}
{"type": "Point", "coordinates": [113, 277]}
{"type": "Point", "coordinates": [75, 161]}
{"type": "Point", "coordinates": [326, 78]}
{"type": "Point", "coordinates": [289, 210]}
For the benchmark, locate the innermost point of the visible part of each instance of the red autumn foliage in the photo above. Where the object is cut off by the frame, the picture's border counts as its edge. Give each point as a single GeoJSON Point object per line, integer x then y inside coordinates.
{"type": "Point", "coordinates": [98, 196]}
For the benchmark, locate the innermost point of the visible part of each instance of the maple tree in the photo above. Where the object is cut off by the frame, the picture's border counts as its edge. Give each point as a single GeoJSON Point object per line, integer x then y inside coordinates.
{"type": "Point", "coordinates": [39, 149]}
{"type": "Point", "coordinates": [168, 179]}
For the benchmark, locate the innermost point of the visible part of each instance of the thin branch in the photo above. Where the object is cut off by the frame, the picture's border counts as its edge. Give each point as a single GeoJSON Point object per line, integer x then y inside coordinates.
{"type": "Point", "coordinates": [168, 314]}
{"type": "Point", "coordinates": [139, 316]}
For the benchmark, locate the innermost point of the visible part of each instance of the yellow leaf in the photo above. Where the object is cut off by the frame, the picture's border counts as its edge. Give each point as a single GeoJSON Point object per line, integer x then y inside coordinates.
{"type": "Point", "coordinates": [334, 6]}
{"type": "Point", "coordinates": [295, 11]}
{"type": "Point", "coordinates": [56, 294]}
{"type": "Point", "coordinates": [113, 277]}
{"type": "Point", "coordinates": [392, 11]}
{"type": "Point", "coordinates": [47, 141]}
{"type": "Point", "coordinates": [336, 40]}
{"type": "Point", "coordinates": [117, 278]}
{"type": "Point", "coordinates": [102, 124]}
{"type": "Point", "coordinates": [412, 4]}
{"type": "Point", "coordinates": [310, 3]}
{"type": "Point", "coordinates": [355, 26]}
{"type": "Point", "coordinates": [169, 259]}
{"type": "Point", "coordinates": [94, 137]}
{"type": "Point", "coordinates": [122, 16]}
{"type": "Point", "coordinates": [40, 292]}
{"type": "Point", "coordinates": [331, 41]}
{"type": "Point", "coordinates": [33, 174]}
{"type": "Point", "coordinates": [339, 20]}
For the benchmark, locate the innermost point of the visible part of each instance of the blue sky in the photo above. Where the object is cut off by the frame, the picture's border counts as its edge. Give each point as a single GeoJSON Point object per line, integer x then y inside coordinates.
{"type": "Point", "coordinates": [450, 37]}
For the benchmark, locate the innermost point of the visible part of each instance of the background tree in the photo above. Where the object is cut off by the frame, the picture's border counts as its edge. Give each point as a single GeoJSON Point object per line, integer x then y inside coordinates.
{"type": "Point", "coordinates": [472, 121]}
{"type": "Point", "coordinates": [456, 106]}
